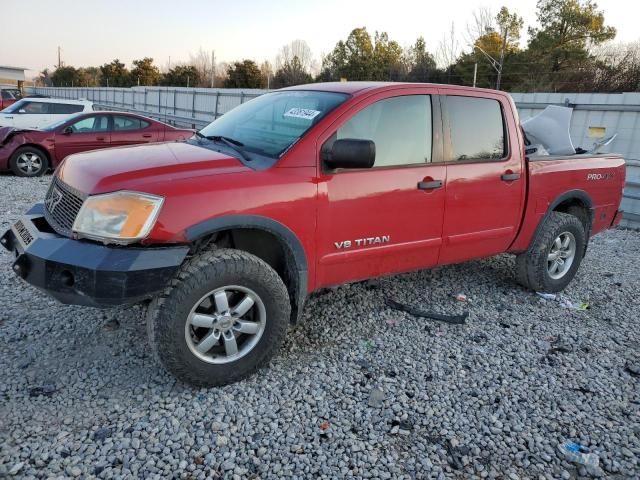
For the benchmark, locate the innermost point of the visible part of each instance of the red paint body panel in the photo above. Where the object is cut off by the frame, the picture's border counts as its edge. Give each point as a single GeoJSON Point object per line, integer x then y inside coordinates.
{"type": "Point", "coordinates": [59, 145]}
{"type": "Point", "coordinates": [392, 225]}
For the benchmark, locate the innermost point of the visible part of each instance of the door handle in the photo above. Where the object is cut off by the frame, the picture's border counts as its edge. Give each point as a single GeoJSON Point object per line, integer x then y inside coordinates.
{"type": "Point", "coordinates": [100, 139]}
{"type": "Point", "coordinates": [433, 184]}
{"type": "Point", "coordinates": [510, 177]}
{"type": "Point", "coordinates": [146, 135]}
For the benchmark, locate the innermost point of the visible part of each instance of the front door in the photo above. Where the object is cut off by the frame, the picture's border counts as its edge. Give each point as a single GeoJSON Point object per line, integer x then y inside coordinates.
{"type": "Point", "coordinates": [388, 218]}
{"type": "Point", "coordinates": [485, 178]}
{"type": "Point", "coordinates": [88, 133]}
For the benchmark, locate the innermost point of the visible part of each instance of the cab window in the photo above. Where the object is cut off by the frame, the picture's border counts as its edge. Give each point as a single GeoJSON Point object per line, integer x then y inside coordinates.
{"type": "Point", "coordinates": [400, 127]}
{"type": "Point", "coordinates": [477, 128]}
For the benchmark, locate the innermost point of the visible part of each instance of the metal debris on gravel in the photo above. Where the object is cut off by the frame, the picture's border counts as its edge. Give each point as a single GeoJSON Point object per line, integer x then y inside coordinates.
{"type": "Point", "coordinates": [80, 395]}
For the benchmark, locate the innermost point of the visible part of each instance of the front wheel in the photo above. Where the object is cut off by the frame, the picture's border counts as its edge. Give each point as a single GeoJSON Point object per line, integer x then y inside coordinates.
{"type": "Point", "coordinates": [221, 319]}
{"type": "Point", "coordinates": [553, 258]}
{"type": "Point", "coordinates": [29, 162]}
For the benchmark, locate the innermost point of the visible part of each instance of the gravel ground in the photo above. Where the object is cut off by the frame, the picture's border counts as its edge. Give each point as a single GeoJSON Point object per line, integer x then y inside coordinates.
{"type": "Point", "coordinates": [359, 390]}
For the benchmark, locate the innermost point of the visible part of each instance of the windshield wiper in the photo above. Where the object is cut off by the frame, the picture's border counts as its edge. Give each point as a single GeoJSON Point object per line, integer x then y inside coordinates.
{"type": "Point", "coordinates": [233, 144]}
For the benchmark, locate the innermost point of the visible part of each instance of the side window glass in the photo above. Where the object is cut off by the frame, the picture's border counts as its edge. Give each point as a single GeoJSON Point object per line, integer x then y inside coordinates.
{"type": "Point", "coordinates": [64, 108]}
{"type": "Point", "coordinates": [35, 108]}
{"type": "Point", "coordinates": [91, 124]}
{"type": "Point", "coordinates": [128, 123]}
{"type": "Point", "coordinates": [401, 128]}
{"type": "Point", "coordinates": [477, 128]}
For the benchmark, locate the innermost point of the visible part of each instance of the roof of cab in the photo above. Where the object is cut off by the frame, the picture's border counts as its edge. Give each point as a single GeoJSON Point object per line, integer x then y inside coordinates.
{"type": "Point", "coordinates": [354, 88]}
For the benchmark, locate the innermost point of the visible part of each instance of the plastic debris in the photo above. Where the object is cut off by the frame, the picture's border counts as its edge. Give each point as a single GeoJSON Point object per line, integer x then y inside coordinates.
{"type": "Point", "coordinates": [461, 297]}
{"type": "Point", "coordinates": [453, 319]}
{"type": "Point", "coordinates": [324, 426]}
{"type": "Point", "coordinates": [46, 390]}
{"type": "Point", "coordinates": [579, 454]}
{"type": "Point", "coordinates": [367, 344]}
{"type": "Point", "coordinates": [393, 322]}
{"type": "Point", "coordinates": [547, 296]}
{"type": "Point", "coordinates": [581, 307]}
{"type": "Point", "coordinates": [376, 397]}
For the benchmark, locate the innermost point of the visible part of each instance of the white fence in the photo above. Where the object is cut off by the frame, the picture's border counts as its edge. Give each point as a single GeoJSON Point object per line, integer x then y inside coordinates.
{"type": "Point", "coordinates": [594, 115]}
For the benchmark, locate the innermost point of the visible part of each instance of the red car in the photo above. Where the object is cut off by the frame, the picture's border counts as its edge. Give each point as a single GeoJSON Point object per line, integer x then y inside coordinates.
{"type": "Point", "coordinates": [301, 189]}
{"type": "Point", "coordinates": [29, 153]}
{"type": "Point", "coordinates": [9, 96]}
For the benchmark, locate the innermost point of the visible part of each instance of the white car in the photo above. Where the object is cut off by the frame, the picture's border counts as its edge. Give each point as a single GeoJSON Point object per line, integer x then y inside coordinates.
{"type": "Point", "coordinates": [38, 112]}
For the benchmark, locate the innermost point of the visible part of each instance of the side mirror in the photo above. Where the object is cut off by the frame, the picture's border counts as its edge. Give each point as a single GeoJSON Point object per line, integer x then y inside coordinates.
{"type": "Point", "coordinates": [67, 130]}
{"type": "Point", "coordinates": [350, 153]}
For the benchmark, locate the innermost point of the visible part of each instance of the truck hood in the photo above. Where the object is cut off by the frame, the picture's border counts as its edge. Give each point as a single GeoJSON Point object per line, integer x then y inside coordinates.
{"type": "Point", "coordinates": [130, 168]}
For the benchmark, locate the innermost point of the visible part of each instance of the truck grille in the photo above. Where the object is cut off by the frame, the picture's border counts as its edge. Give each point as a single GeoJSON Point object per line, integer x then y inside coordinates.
{"type": "Point", "coordinates": [61, 206]}
{"type": "Point", "coordinates": [25, 235]}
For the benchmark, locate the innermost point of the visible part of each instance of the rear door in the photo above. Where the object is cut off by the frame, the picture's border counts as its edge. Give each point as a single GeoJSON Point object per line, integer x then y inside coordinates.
{"type": "Point", "coordinates": [89, 133]}
{"type": "Point", "coordinates": [129, 130]}
{"type": "Point", "coordinates": [485, 181]}
{"type": "Point", "coordinates": [380, 220]}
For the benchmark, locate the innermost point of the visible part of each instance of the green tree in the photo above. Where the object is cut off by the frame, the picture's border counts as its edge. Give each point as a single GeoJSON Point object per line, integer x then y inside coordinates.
{"type": "Point", "coordinates": [89, 76]}
{"type": "Point", "coordinates": [291, 73]}
{"type": "Point", "coordinates": [182, 76]}
{"type": "Point", "coordinates": [244, 74]}
{"type": "Point", "coordinates": [144, 72]}
{"type": "Point", "coordinates": [65, 77]}
{"type": "Point", "coordinates": [560, 44]}
{"type": "Point", "coordinates": [420, 63]}
{"type": "Point", "coordinates": [387, 59]}
{"type": "Point", "coordinates": [115, 74]}
{"type": "Point", "coordinates": [360, 58]}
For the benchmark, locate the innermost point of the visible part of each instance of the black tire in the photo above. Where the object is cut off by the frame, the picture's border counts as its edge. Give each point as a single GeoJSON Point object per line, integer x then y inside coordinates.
{"type": "Point", "coordinates": [532, 267]}
{"type": "Point", "coordinates": [168, 314]}
{"type": "Point", "coordinates": [39, 160]}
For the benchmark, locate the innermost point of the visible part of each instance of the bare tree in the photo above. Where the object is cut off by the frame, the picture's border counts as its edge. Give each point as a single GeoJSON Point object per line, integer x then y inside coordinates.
{"type": "Point", "coordinates": [267, 72]}
{"type": "Point", "coordinates": [296, 48]}
{"type": "Point", "coordinates": [448, 50]}
{"type": "Point", "coordinates": [204, 61]}
{"type": "Point", "coordinates": [482, 22]}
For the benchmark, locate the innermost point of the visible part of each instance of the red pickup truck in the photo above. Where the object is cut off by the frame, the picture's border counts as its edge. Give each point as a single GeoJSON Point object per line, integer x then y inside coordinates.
{"type": "Point", "coordinates": [299, 189]}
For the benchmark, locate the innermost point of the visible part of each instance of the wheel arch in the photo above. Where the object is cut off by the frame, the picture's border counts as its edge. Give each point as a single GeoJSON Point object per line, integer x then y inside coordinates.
{"type": "Point", "coordinates": [266, 238]}
{"type": "Point", "coordinates": [575, 202]}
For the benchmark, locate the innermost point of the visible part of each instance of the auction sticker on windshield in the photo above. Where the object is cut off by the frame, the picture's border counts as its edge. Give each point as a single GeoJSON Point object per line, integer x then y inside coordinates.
{"type": "Point", "coordinates": [305, 113]}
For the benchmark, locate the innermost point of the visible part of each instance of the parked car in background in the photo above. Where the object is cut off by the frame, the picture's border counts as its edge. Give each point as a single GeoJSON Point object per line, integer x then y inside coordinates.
{"type": "Point", "coordinates": [9, 96]}
{"type": "Point", "coordinates": [29, 153]}
{"type": "Point", "coordinates": [35, 112]}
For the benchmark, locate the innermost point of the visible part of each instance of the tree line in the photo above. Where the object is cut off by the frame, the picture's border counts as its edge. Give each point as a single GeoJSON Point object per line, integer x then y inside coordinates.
{"type": "Point", "coordinates": [569, 49]}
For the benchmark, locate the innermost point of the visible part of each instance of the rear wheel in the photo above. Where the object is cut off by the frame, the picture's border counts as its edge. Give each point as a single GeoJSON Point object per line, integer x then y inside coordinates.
{"type": "Point", "coordinates": [553, 258]}
{"type": "Point", "coordinates": [222, 318]}
{"type": "Point", "coordinates": [29, 162]}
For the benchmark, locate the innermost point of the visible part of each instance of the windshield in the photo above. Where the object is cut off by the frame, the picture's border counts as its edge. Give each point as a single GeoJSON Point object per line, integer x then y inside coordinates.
{"type": "Point", "coordinates": [15, 107]}
{"type": "Point", "coordinates": [59, 123]}
{"type": "Point", "coordinates": [271, 123]}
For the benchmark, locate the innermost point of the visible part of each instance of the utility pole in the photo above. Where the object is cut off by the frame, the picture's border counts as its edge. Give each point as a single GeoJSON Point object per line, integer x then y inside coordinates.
{"type": "Point", "coordinates": [475, 73]}
{"type": "Point", "coordinates": [497, 65]}
{"type": "Point", "coordinates": [169, 62]}
{"type": "Point", "coordinates": [502, 49]}
{"type": "Point", "coordinates": [213, 68]}
{"type": "Point", "coordinates": [59, 61]}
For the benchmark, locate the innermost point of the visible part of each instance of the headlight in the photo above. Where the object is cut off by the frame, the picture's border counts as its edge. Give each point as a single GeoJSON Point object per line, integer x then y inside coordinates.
{"type": "Point", "coordinates": [119, 217]}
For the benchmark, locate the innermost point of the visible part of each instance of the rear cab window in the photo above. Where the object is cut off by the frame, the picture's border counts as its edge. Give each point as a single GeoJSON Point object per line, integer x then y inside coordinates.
{"type": "Point", "coordinates": [477, 129]}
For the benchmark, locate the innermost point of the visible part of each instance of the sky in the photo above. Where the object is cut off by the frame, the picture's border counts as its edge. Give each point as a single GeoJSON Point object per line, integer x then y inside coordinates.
{"type": "Point", "coordinates": [93, 32]}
